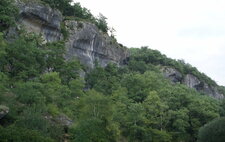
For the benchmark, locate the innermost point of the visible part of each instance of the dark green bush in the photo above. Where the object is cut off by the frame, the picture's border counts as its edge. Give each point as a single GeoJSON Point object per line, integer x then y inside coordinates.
{"type": "Point", "coordinates": [8, 14]}
{"type": "Point", "coordinates": [213, 131]}
{"type": "Point", "coordinates": [17, 134]}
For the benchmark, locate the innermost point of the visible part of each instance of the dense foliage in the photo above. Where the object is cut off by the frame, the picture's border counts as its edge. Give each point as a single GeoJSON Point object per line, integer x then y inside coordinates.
{"type": "Point", "coordinates": [130, 103]}
{"type": "Point", "coordinates": [213, 131]}
{"type": "Point", "coordinates": [8, 12]}
{"type": "Point", "coordinates": [49, 100]}
{"type": "Point", "coordinates": [154, 57]}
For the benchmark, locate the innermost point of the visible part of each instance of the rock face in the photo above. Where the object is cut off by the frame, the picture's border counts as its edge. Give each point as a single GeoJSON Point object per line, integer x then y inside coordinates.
{"type": "Point", "coordinates": [41, 19]}
{"type": "Point", "coordinates": [61, 119]}
{"type": "Point", "coordinates": [64, 120]}
{"type": "Point", "coordinates": [85, 41]}
{"type": "Point", "coordinates": [3, 111]}
{"type": "Point", "coordinates": [89, 44]}
{"type": "Point", "coordinates": [172, 74]}
{"type": "Point", "coordinates": [191, 81]}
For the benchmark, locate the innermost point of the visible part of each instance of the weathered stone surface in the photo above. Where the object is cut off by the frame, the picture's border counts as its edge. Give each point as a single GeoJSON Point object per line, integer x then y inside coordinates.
{"type": "Point", "coordinates": [212, 92]}
{"type": "Point", "coordinates": [3, 111]}
{"type": "Point", "coordinates": [193, 82]}
{"type": "Point", "coordinates": [85, 41]}
{"type": "Point", "coordinates": [41, 19]}
{"type": "Point", "coordinates": [61, 119]}
{"type": "Point", "coordinates": [89, 44]}
{"type": "Point", "coordinates": [64, 120]}
{"type": "Point", "coordinates": [172, 74]}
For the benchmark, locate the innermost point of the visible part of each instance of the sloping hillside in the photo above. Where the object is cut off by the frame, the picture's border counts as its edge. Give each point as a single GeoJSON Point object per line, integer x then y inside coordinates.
{"type": "Point", "coordinates": [63, 78]}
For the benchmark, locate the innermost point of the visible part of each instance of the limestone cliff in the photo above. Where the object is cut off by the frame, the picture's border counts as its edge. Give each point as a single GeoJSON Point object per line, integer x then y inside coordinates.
{"type": "Point", "coordinates": [41, 19]}
{"type": "Point", "coordinates": [85, 41]}
{"type": "Point", "coordinates": [172, 74]}
{"type": "Point", "coordinates": [191, 81]}
{"type": "Point", "coordinates": [89, 44]}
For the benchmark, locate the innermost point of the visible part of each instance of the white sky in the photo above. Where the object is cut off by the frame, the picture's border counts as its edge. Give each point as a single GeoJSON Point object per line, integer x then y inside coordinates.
{"type": "Point", "coordinates": [193, 30]}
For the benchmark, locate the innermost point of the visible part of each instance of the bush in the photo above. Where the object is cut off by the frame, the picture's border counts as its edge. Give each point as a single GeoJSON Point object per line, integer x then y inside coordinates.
{"type": "Point", "coordinates": [8, 12]}
{"type": "Point", "coordinates": [16, 134]}
{"type": "Point", "coordinates": [24, 58]}
{"type": "Point", "coordinates": [213, 131]}
{"type": "Point", "coordinates": [91, 130]}
{"type": "Point", "coordinates": [101, 23]}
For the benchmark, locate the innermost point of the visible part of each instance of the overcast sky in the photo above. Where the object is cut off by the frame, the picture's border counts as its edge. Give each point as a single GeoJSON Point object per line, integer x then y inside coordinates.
{"type": "Point", "coordinates": [193, 30]}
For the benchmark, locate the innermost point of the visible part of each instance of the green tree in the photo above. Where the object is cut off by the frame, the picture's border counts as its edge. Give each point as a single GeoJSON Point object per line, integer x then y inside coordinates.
{"type": "Point", "coordinates": [156, 111]}
{"type": "Point", "coordinates": [104, 80]}
{"type": "Point", "coordinates": [3, 83]}
{"type": "Point", "coordinates": [95, 119]}
{"type": "Point", "coordinates": [82, 12]}
{"type": "Point", "coordinates": [8, 12]}
{"type": "Point", "coordinates": [29, 93]}
{"type": "Point", "coordinates": [102, 23]}
{"type": "Point", "coordinates": [63, 5]}
{"type": "Point", "coordinates": [54, 91]}
{"type": "Point", "coordinates": [3, 47]}
{"type": "Point", "coordinates": [76, 86]}
{"type": "Point", "coordinates": [213, 131]}
{"type": "Point", "coordinates": [54, 56]}
{"type": "Point", "coordinates": [24, 58]}
{"type": "Point", "coordinates": [134, 122]}
{"type": "Point", "coordinates": [70, 70]}
{"type": "Point", "coordinates": [18, 134]}
{"type": "Point", "coordinates": [33, 118]}
{"type": "Point", "coordinates": [90, 130]}
{"type": "Point", "coordinates": [139, 85]}
{"type": "Point", "coordinates": [201, 110]}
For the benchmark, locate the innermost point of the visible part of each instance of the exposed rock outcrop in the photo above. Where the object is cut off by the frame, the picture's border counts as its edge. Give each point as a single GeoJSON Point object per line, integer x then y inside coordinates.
{"type": "Point", "coordinates": [172, 74]}
{"type": "Point", "coordinates": [85, 40]}
{"type": "Point", "coordinates": [89, 44]}
{"type": "Point", "coordinates": [3, 111]}
{"type": "Point", "coordinates": [61, 119]}
{"type": "Point", "coordinates": [64, 120]}
{"type": "Point", "coordinates": [41, 19]}
{"type": "Point", "coordinates": [191, 81]}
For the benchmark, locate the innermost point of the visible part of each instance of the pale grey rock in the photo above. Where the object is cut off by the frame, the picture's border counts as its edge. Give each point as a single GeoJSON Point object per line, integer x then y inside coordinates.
{"type": "Point", "coordinates": [85, 42]}
{"type": "Point", "coordinates": [193, 82]}
{"type": "Point", "coordinates": [172, 74]}
{"type": "Point", "coordinates": [64, 120]}
{"type": "Point", "coordinates": [212, 92]}
{"type": "Point", "coordinates": [82, 74]}
{"type": "Point", "coordinates": [3, 111]}
{"type": "Point", "coordinates": [41, 19]}
{"type": "Point", "coordinates": [61, 119]}
{"type": "Point", "coordinates": [89, 45]}
{"type": "Point", "coordinates": [11, 34]}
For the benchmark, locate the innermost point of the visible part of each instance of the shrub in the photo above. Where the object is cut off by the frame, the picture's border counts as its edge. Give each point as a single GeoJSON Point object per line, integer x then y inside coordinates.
{"type": "Point", "coordinates": [17, 134]}
{"type": "Point", "coordinates": [213, 131]}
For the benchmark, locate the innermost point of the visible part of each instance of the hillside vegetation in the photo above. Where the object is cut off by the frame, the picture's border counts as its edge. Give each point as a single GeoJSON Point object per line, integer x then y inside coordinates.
{"type": "Point", "coordinates": [50, 101]}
